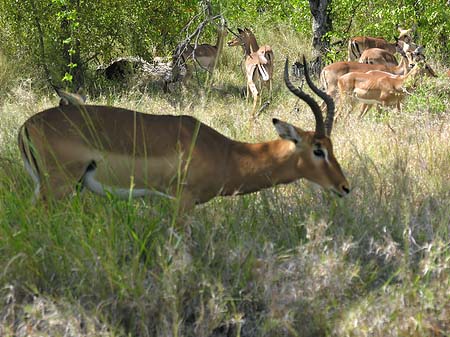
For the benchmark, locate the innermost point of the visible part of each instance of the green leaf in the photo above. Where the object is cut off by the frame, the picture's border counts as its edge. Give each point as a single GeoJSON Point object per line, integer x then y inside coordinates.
{"type": "Point", "coordinates": [67, 78]}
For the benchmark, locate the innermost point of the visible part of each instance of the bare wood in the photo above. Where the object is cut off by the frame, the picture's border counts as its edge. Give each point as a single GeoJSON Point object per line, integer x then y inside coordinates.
{"type": "Point", "coordinates": [127, 153]}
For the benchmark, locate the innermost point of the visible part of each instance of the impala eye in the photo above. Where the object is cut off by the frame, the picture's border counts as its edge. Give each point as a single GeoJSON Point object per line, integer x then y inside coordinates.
{"type": "Point", "coordinates": [319, 153]}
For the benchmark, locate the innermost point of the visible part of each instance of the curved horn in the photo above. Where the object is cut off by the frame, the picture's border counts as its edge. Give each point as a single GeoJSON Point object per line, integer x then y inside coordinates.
{"type": "Point", "coordinates": [320, 129]}
{"type": "Point", "coordinates": [327, 99]}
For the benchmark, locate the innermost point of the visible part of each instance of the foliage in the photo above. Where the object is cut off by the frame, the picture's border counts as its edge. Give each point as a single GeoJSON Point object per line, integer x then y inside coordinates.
{"type": "Point", "coordinates": [98, 30]}
{"type": "Point", "coordinates": [66, 38]}
{"type": "Point", "coordinates": [429, 18]}
{"type": "Point", "coordinates": [434, 104]}
{"type": "Point", "coordinates": [245, 13]}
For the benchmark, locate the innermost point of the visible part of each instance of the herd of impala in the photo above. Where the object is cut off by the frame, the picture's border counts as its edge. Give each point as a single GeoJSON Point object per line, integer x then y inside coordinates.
{"type": "Point", "coordinates": [110, 150]}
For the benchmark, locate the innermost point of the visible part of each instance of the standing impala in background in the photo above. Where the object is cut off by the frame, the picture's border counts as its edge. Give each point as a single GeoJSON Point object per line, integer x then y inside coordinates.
{"type": "Point", "coordinates": [377, 87]}
{"type": "Point", "coordinates": [258, 64]}
{"type": "Point", "coordinates": [205, 55]}
{"type": "Point", "coordinates": [127, 153]}
{"type": "Point", "coordinates": [378, 56]}
{"type": "Point", "coordinates": [68, 98]}
{"type": "Point", "coordinates": [330, 74]}
{"type": "Point", "coordinates": [358, 44]}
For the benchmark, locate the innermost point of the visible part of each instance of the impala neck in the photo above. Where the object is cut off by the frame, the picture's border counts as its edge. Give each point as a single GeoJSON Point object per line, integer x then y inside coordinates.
{"type": "Point", "coordinates": [406, 83]}
{"type": "Point", "coordinates": [252, 167]}
{"type": "Point", "coordinates": [253, 44]}
{"type": "Point", "coordinates": [250, 44]}
{"type": "Point", "coordinates": [402, 68]}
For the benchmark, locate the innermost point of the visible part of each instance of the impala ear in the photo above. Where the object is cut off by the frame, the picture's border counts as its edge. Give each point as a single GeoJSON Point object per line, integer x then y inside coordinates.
{"type": "Point", "coordinates": [287, 131]}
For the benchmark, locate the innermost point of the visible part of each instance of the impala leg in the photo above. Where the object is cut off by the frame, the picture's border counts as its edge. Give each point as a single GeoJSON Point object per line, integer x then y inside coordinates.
{"type": "Point", "coordinates": [187, 202]}
{"type": "Point", "coordinates": [251, 85]}
{"type": "Point", "coordinates": [399, 107]}
{"type": "Point", "coordinates": [338, 113]}
{"type": "Point", "coordinates": [270, 89]}
{"type": "Point", "coordinates": [260, 98]}
{"type": "Point", "coordinates": [188, 75]}
{"type": "Point", "coordinates": [340, 103]}
{"type": "Point", "coordinates": [365, 107]}
{"type": "Point", "coordinates": [247, 96]}
{"type": "Point", "coordinates": [61, 182]}
{"type": "Point", "coordinates": [184, 204]}
{"type": "Point", "coordinates": [347, 107]}
{"type": "Point", "coordinates": [363, 110]}
{"type": "Point", "coordinates": [352, 104]}
{"type": "Point", "coordinates": [378, 107]}
{"type": "Point", "coordinates": [255, 104]}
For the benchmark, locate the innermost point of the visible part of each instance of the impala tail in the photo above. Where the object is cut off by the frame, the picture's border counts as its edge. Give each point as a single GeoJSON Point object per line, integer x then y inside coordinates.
{"type": "Point", "coordinates": [263, 72]}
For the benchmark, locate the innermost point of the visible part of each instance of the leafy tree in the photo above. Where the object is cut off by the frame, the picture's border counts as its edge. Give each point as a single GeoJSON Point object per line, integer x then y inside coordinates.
{"type": "Point", "coordinates": [71, 33]}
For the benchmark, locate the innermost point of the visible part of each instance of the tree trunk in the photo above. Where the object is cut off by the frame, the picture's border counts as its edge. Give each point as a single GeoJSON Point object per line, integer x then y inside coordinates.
{"type": "Point", "coordinates": [75, 57]}
{"type": "Point", "coordinates": [42, 61]}
{"type": "Point", "coordinates": [320, 26]}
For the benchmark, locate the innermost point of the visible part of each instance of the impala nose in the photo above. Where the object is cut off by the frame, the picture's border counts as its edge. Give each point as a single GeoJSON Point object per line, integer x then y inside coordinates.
{"type": "Point", "coordinates": [344, 189]}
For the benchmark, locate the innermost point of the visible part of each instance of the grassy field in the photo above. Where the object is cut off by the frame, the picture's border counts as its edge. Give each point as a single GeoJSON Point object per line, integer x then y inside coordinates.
{"type": "Point", "coordinates": [288, 261]}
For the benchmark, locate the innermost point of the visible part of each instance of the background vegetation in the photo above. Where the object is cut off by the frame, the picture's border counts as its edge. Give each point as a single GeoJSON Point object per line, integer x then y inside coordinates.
{"type": "Point", "coordinates": [289, 261]}
{"type": "Point", "coordinates": [63, 39]}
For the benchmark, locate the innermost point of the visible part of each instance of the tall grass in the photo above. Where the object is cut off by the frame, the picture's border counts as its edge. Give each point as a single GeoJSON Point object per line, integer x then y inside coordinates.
{"type": "Point", "coordinates": [288, 261]}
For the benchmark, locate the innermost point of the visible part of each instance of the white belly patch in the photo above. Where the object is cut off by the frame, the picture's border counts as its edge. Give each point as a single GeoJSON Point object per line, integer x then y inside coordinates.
{"type": "Point", "coordinates": [95, 186]}
{"type": "Point", "coordinates": [367, 101]}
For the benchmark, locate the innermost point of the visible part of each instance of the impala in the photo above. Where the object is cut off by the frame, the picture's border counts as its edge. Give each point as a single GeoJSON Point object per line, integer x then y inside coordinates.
{"type": "Point", "coordinates": [111, 150]}
{"type": "Point", "coordinates": [405, 34]}
{"type": "Point", "coordinates": [246, 39]}
{"type": "Point", "coordinates": [415, 54]}
{"type": "Point", "coordinates": [378, 56]}
{"type": "Point", "coordinates": [358, 44]}
{"type": "Point", "coordinates": [68, 98]}
{"type": "Point", "coordinates": [258, 64]}
{"type": "Point", "coordinates": [330, 74]}
{"type": "Point", "coordinates": [376, 87]}
{"type": "Point", "coordinates": [205, 55]}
